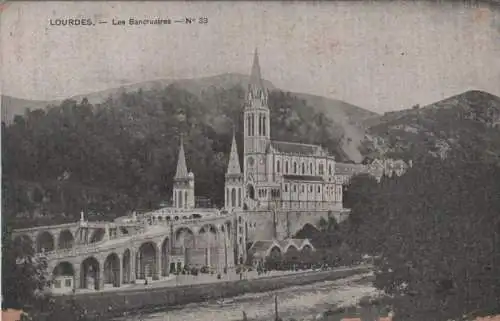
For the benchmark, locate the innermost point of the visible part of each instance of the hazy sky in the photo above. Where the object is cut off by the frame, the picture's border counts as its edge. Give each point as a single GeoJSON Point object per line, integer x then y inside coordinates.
{"type": "Point", "coordinates": [380, 56]}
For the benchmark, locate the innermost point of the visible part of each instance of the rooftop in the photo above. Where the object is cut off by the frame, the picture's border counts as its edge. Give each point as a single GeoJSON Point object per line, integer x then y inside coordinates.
{"type": "Point", "coordinates": [296, 148]}
{"type": "Point", "coordinates": [303, 178]}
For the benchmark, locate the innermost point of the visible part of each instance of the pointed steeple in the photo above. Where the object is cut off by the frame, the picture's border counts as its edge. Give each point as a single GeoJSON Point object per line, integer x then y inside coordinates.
{"type": "Point", "coordinates": [181, 163]}
{"type": "Point", "coordinates": [233, 168]}
{"type": "Point", "coordinates": [255, 76]}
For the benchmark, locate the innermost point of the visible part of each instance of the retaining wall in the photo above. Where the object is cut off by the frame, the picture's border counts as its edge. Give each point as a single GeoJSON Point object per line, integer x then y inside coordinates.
{"type": "Point", "coordinates": [154, 298]}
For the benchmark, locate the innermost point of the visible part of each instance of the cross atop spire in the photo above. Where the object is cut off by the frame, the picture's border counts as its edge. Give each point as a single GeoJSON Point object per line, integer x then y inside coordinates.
{"type": "Point", "coordinates": [233, 168]}
{"type": "Point", "coordinates": [181, 162]}
{"type": "Point", "coordinates": [255, 76]}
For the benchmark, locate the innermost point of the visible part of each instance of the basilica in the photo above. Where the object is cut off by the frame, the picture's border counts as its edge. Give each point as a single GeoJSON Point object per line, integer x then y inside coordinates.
{"type": "Point", "coordinates": [281, 187]}
{"type": "Point", "coordinates": [275, 174]}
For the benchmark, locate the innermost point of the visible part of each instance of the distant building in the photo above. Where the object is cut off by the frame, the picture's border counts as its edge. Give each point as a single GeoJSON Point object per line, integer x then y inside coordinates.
{"type": "Point", "coordinates": [376, 168]}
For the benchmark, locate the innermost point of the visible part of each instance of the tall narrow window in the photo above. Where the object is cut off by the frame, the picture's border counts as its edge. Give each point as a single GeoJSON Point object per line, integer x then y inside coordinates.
{"type": "Point", "coordinates": [264, 125]}
{"type": "Point", "coordinates": [185, 199]}
{"type": "Point", "coordinates": [294, 167]}
{"type": "Point", "coordinates": [239, 197]}
{"type": "Point", "coordinates": [286, 167]}
{"type": "Point", "coordinates": [260, 124]}
{"type": "Point", "coordinates": [253, 124]}
{"type": "Point", "coordinates": [278, 166]}
{"type": "Point", "coordinates": [311, 168]}
{"type": "Point", "coordinates": [320, 169]}
{"type": "Point", "coordinates": [303, 169]}
{"type": "Point", "coordinates": [330, 170]}
{"type": "Point", "coordinates": [249, 126]}
{"type": "Point", "coordinates": [233, 197]}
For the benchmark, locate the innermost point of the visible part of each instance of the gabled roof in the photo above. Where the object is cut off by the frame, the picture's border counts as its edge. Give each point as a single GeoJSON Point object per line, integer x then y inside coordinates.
{"type": "Point", "coordinates": [262, 245]}
{"type": "Point", "coordinates": [295, 148]}
{"type": "Point", "coordinates": [260, 248]}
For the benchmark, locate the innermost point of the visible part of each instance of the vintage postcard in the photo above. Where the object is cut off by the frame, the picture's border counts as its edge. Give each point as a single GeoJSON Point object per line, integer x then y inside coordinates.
{"type": "Point", "coordinates": [250, 160]}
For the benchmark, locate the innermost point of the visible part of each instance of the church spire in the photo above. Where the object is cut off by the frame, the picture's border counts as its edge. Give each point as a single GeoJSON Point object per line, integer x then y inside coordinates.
{"type": "Point", "coordinates": [255, 76]}
{"type": "Point", "coordinates": [181, 163]}
{"type": "Point", "coordinates": [233, 168]}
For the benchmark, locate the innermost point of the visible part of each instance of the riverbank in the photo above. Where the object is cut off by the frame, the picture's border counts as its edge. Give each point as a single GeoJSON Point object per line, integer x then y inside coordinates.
{"type": "Point", "coordinates": [113, 304]}
{"type": "Point", "coordinates": [295, 303]}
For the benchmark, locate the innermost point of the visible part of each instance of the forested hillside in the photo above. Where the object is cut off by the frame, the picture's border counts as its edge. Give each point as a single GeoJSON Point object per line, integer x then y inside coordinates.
{"type": "Point", "coordinates": [455, 123]}
{"type": "Point", "coordinates": [121, 155]}
{"type": "Point", "coordinates": [348, 117]}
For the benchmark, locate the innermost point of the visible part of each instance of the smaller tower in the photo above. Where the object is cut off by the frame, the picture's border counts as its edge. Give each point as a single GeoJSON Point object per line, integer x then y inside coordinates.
{"type": "Point", "coordinates": [183, 194]}
{"type": "Point", "coordinates": [234, 180]}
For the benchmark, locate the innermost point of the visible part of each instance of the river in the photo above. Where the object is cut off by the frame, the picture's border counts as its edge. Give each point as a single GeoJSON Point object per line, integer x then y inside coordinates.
{"type": "Point", "coordinates": [303, 302]}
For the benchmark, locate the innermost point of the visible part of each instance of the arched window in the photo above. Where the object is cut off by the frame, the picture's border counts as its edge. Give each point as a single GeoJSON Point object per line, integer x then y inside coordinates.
{"type": "Point", "coordinates": [295, 188]}
{"type": "Point", "coordinates": [233, 197]}
{"type": "Point", "coordinates": [286, 187]}
{"type": "Point", "coordinates": [179, 203]}
{"type": "Point", "coordinates": [320, 169]}
{"type": "Point", "coordinates": [286, 167]}
{"type": "Point", "coordinates": [294, 167]}
{"type": "Point", "coordinates": [278, 166]}
{"type": "Point", "coordinates": [227, 197]}
{"type": "Point", "coordinates": [319, 188]}
{"type": "Point", "coordinates": [302, 188]}
{"type": "Point", "coordinates": [239, 197]}
{"type": "Point", "coordinates": [185, 199]}
{"type": "Point", "coordinates": [311, 168]}
{"type": "Point", "coordinates": [330, 170]}
{"type": "Point", "coordinates": [303, 169]}
{"type": "Point", "coordinates": [264, 125]}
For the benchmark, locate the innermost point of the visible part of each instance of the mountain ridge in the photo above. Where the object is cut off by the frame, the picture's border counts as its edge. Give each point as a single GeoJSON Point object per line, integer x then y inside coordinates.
{"type": "Point", "coordinates": [470, 120]}
{"type": "Point", "coordinates": [348, 116]}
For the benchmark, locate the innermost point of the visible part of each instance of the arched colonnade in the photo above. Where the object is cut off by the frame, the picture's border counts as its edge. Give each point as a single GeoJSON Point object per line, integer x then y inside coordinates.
{"type": "Point", "coordinates": [149, 259]}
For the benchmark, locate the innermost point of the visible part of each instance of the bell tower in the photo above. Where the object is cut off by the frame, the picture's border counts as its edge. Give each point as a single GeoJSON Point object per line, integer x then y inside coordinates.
{"type": "Point", "coordinates": [257, 129]}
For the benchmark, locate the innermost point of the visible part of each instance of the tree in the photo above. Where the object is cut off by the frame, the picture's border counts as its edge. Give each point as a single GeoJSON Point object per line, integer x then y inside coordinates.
{"type": "Point", "coordinates": [23, 275]}
{"type": "Point", "coordinates": [359, 190]}
{"type": "Point", "coordinates": [437, 229]}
